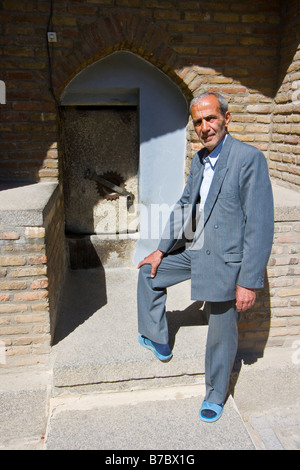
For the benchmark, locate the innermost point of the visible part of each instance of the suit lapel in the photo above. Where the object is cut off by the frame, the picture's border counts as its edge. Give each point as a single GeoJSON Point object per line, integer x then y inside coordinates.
{"type": "Point", "coordinates": [198, 177]}
{"type": "Point", "coordinates": [219, 175]}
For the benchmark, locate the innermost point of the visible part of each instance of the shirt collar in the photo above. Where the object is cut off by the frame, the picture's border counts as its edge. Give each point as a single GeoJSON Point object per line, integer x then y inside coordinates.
{"type": "Point", "coordinates": [214, 155]}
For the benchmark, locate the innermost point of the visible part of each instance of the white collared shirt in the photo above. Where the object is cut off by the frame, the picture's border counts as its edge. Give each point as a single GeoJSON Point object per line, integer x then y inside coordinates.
{"type": "Point", "coordinates": [210, 162]}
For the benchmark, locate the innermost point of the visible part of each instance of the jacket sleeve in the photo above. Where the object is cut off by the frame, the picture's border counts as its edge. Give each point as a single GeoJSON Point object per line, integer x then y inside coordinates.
{"type": "Point", "coordinates": [257, 204]}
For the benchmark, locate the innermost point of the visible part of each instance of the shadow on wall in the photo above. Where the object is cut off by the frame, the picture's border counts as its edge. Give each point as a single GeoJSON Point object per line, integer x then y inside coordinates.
{"type": "Point", "coordinates": [28, 157]}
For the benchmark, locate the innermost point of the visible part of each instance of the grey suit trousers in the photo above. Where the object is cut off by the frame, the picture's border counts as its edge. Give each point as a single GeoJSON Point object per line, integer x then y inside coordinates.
{"type": "Point", "coordinates": [222, 338]}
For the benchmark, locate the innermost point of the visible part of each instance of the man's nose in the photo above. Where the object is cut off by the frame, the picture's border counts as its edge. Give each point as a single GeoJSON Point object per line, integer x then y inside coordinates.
{"type": "Point", "coordinates": [204, 126]}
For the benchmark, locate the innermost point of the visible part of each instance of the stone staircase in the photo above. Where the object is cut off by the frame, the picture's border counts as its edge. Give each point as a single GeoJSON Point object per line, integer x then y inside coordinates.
{"type": "Point", "coordinates": [102, 391]}
{"type": "Point", "coordinates": [107, 389]}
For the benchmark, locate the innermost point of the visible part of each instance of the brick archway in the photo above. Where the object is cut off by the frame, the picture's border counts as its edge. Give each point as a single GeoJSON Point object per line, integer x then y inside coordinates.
{"type": "Point", "coordinates": [120, 32]}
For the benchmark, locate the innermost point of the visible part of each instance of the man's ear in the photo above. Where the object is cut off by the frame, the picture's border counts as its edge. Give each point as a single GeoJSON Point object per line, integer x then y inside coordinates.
{"type": "Point", "coordinates": [227, 118]}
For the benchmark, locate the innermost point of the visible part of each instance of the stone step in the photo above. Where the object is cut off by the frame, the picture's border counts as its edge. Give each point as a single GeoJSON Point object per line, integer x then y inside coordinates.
{"type": "Point", "coordinates": [96, 337]}
{"type": "Point", "coordinates": [158, 419]}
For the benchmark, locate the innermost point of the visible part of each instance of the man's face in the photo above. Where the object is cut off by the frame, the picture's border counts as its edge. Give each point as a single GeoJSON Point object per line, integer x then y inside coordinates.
{"type": "Point", "coordinates": [210, 125]}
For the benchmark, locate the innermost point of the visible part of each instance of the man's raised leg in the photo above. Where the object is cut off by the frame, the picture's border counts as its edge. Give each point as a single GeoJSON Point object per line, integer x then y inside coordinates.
{"type": "Point", "coordinates": [152, 294]}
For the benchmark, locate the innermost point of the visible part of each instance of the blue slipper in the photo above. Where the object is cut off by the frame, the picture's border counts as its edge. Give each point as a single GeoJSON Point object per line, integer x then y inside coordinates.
{"type": "Point", "coordinates": [146, 343]}
{"type": "Point", "coordinates": [210, 412]}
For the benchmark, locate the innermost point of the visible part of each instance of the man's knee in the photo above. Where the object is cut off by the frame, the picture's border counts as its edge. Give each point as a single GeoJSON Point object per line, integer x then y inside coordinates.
{"type": "Point", "coordinates": [145, 272]}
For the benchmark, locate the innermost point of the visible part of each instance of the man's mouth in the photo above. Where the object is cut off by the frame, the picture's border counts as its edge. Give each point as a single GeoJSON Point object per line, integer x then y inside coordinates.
{"type": "Point", "coordinates": [207, 137]}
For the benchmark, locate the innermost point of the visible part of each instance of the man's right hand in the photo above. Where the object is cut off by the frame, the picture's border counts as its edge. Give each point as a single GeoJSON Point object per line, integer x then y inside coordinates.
{"type": "Point", "coordinates": [154, 259]}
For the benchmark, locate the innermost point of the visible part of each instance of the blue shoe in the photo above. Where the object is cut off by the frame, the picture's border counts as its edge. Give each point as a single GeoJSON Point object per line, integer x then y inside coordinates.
{"type": "Point", "coordinates": [210, 412]}
{"type": "Point", "coordinates": [146, 343]}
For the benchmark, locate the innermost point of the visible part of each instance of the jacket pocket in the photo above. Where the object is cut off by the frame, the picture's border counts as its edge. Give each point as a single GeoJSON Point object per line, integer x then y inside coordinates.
{"type": "Point", "coordinates": [233, 257]}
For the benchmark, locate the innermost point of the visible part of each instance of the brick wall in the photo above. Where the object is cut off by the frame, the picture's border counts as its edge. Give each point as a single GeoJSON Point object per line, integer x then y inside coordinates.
{"type": "Point", "coordinates": [233, 47]}
{"type": "Point", "coordinates": [275, 318]}
{"type": "Point", "coordinates": [32, 266]}
{"type": "Point", "coordinates": [24, 323]}
{"type": "Point", "coordinates": [283, 273]}
{"type": "Point", "coordinates": [285, 149]}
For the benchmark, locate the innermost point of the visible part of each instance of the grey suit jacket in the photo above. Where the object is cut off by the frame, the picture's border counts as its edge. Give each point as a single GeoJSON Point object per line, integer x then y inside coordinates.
{"type": "Point", "coordinates": [235, 233]}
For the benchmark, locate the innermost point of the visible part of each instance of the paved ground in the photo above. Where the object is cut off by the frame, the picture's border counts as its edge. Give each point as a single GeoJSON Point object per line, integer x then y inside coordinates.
{"type": "Point", "coordinates": [163, 418]}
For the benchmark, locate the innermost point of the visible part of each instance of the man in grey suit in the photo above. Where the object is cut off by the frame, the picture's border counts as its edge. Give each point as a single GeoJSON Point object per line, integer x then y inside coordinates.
{"type": "Point", "coordinates": [220, 236]}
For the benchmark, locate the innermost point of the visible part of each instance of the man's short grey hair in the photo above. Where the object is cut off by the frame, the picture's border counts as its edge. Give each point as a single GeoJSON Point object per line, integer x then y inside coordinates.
{"type": "Point", "coordinates": [222, 101]}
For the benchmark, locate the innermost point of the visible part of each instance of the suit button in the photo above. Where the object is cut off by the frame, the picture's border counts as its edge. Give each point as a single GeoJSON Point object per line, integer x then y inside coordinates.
{"type": "Point", "coordinates": [207, 252]}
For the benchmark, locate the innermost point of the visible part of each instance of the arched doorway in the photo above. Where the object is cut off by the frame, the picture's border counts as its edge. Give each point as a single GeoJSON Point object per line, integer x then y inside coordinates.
{"type": "Point", "coordinates": [122, 116]}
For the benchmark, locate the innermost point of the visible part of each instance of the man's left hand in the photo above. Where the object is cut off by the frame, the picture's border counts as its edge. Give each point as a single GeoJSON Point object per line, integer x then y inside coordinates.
{"type": "Point", "coordinates": [245, 298]}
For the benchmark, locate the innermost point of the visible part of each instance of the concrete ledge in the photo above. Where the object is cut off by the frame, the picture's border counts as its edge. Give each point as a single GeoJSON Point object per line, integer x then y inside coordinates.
{"type": "Point", "coordinates": [287, 204]}
{"type": "Point", "coordinates": [25, 205]}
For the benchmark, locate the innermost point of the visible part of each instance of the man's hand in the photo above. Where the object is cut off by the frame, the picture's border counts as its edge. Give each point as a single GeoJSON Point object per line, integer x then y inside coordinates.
{"type": "Point", "coordinates": [245, 298]}
{"type": "Point", "coordinates": [154, 259]}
